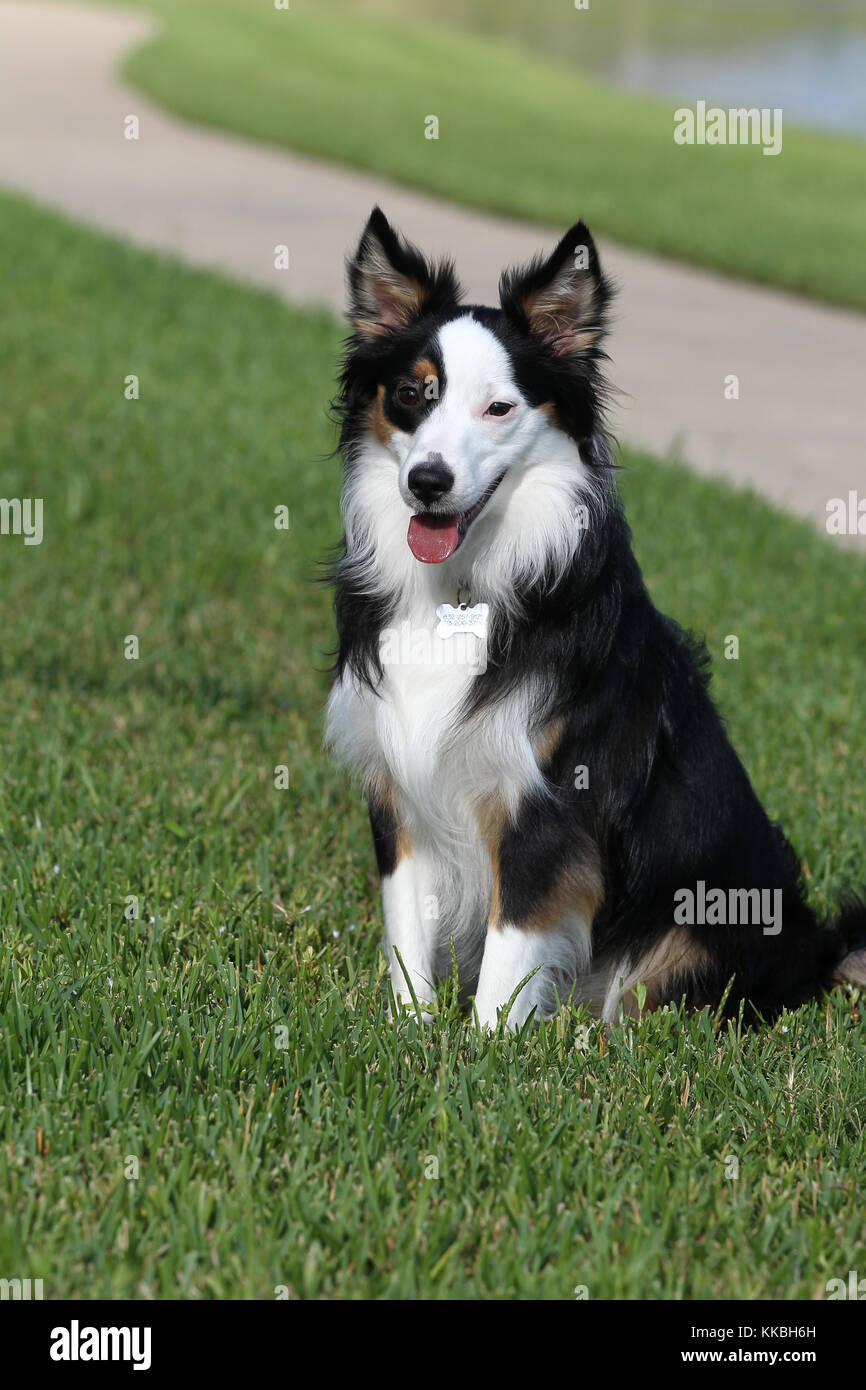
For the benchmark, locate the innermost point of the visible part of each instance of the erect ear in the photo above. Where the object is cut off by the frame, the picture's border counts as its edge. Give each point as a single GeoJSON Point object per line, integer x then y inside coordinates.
{"type": "Point", "coordinates": [562, 300]}
{"type": "Point", "coordinates": [391, 284]}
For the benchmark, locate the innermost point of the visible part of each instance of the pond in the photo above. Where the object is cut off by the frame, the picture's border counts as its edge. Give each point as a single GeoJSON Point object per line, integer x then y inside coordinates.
{"type": "Point", "coordinates": [819, 80]}
{"type": "Point", "coordinates": [809, 60]}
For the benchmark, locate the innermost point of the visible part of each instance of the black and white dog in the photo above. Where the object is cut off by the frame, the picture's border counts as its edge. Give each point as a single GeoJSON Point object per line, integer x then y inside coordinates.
{"type": "Point", "coordinates": [550, 785]}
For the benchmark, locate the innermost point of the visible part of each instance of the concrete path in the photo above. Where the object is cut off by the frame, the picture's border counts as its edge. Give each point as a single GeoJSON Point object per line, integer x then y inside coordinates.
{"type": "Point", "coordinates": [796, 433]}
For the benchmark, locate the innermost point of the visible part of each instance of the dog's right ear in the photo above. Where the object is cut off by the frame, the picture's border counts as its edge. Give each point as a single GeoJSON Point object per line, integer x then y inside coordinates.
{"type": "Point", "coordinates": [391, 284]}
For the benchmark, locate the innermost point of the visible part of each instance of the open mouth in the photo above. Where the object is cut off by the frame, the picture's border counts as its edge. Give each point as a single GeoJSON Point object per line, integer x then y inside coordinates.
{"type": "Point", "coordinates": [434, 536]}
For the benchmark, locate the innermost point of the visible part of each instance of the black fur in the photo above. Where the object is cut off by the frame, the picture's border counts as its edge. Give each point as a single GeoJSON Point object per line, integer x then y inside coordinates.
{"type": "Point", "coordinates": [668, 802]}
{"type": "Point", "coordinates": [383, 825]}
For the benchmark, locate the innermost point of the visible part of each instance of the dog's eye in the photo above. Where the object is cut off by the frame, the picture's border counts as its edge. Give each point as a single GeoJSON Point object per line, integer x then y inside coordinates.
{"type": "Point", "coordinates": [407, 394]}
{"type": "Point", "coordinates": [498, 408]}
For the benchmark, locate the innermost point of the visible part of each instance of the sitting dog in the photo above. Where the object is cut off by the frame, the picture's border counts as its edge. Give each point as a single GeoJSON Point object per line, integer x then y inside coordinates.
{"type": "Point", "coordinates": [552, 792]}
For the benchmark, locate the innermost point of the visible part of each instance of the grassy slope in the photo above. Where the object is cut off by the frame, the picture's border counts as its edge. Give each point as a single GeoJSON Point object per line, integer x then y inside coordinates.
{"type": "Point", "coordinates": [517, 136]}
{"type": "Point", "coordinates": [155, 1039]}
{"type": "Point", "coordinates": [559, 31]}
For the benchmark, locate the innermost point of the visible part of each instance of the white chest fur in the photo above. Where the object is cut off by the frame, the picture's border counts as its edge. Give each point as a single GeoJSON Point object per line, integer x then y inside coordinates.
{"type": "Point", "coordinates": [413, 735]}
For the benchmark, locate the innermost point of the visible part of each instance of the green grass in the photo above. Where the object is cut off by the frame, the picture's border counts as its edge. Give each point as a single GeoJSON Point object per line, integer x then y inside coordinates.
{"type": "Point", "coordinates": [518, 135]}
{"type": "Point", "coordinates": [555, 29]}
{"type": "Point", "coordinates": [565, 1157]}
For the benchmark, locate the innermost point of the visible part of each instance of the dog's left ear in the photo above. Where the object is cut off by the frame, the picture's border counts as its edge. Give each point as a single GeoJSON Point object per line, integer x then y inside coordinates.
{"type": "Point", "coordinates": [391, 283]}
{"type": "Point", "coordinates": [561, 300]}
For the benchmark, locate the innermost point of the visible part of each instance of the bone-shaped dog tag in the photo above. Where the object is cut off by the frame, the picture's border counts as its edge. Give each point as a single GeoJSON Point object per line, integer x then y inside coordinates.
{"type": "Point", "coordinates": [462, 619]}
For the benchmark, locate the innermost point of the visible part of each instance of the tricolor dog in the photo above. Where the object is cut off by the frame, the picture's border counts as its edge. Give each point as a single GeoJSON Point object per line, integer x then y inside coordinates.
{"type": "Point", "coordinates": [550, 785]}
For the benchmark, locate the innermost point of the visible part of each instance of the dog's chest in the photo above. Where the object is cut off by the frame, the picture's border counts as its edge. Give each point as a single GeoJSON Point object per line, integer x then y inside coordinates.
{"type": "Point", "coordinates": [414, 735]}
{"type": "Point", "coordinates": [414, 726]}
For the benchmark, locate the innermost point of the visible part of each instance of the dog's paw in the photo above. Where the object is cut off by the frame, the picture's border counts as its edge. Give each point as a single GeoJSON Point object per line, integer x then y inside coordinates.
{"type": "Point", "coordinates": [488, 1018]}
{"type": "Point", "coordinates": [406, 1006]}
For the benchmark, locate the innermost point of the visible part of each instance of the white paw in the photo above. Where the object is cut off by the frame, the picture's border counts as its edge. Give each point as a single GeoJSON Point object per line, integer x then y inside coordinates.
{"type": "Point", "coordinates": [489, 1016]}
{"type": "Point", "coordinates": [405, 1005]}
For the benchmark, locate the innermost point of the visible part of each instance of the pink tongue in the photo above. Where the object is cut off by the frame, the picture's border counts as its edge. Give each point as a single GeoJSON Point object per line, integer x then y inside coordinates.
{"type": "Point", "coordinates": [433, 538]}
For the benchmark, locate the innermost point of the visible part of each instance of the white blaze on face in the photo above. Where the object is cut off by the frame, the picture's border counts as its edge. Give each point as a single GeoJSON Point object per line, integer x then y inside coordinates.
{"type": "Point", "coordinates": [476, 447]}
{"type": "Point", "coordinates": [526, 529]}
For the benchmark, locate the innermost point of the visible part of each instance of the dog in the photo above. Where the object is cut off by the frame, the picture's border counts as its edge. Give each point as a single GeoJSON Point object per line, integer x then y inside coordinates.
{"type": "Point", "coordinates": [560, 809]}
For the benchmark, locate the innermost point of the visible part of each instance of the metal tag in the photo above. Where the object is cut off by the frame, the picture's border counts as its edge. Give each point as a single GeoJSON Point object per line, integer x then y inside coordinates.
{"type": "Point", "coordinates": [462, 619]}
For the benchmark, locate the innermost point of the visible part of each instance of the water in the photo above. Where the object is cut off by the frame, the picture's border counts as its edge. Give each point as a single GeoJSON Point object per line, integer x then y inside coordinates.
{"type": "Point", "coordinates": [819, 81]}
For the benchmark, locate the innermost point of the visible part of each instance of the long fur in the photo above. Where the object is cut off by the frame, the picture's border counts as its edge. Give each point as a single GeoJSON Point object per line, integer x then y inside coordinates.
{"type": "Point", "coordinates": [477, 800]}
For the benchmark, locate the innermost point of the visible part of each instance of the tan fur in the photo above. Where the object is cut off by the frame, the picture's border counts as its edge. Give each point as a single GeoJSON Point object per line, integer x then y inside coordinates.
{"type": "Point", "coordinates": [549, 411]}
{"type": "Point", "coordinates": [547, 742]}
{"type": "Point", "coordinates": [492, 820]}
{"type": "Point", "coordinates": [379, 422]}
{"type": "Point", "coordinates": [672, 957]}
{"type": "Point", "coordinates": [551, 313]}
{"type": "Point", "coordinates": [382, 792]}
{"type": "Point", "coordinates": [424, 368]}
{"type": "Point", "coordinates": [578, 889]}
{"type": "Point", "coordinates": [387, 298]}
{"type": "Point", "coordinates": [852, 970]}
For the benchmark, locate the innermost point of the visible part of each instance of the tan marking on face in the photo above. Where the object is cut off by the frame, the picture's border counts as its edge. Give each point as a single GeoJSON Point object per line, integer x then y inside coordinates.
{"type": "Point", "coordinates": [403, 846]}
{"type": "Point", "coordinates": [675, 956]}
{"type": "Point", "coordinates": [424, 368]}
{"type": "Point", "coordinates": [379, 422]}
{"type": "Point", "coordinates": [549, 411]}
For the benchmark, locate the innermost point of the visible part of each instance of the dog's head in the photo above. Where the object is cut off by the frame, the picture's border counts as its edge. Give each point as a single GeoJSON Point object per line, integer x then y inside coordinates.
{"type": "Point", "coordinates": [454, 415]}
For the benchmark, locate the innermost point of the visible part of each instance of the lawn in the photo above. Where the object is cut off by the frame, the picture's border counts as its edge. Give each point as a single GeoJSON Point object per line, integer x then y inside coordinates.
{"type": "Point", "coordinates": [556, 29]}
{"type": "Point", "coordinates": [199, 1094]}
{"type": "Point", "coordinates": [519, 134]}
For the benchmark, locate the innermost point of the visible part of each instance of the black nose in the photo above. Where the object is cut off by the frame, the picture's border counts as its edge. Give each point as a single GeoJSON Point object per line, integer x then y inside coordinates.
{"type": "Point", "coordinates": [431, 480]}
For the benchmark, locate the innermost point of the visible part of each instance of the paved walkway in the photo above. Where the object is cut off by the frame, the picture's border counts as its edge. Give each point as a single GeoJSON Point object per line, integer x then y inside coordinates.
{"type": "Point", "coordinates": [796, 434]}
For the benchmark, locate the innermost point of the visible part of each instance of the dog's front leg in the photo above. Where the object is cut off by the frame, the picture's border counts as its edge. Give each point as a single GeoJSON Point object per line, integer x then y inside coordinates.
{"type": "Point", "coordinates": [540, 924]}
{"type": "Point", "coordinates": [410, 939]}
{"type": "Point", "coordinates": [512, 951]}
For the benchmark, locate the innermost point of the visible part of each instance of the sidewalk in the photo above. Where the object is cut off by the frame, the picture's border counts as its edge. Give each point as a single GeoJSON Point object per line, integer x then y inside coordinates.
{"type": "Point", "coordinates": [796, 433]}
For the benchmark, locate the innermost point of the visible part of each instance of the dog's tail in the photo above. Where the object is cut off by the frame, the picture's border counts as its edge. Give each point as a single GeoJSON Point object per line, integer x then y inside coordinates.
{"type": "Point", "coordinates": [850, 927]}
